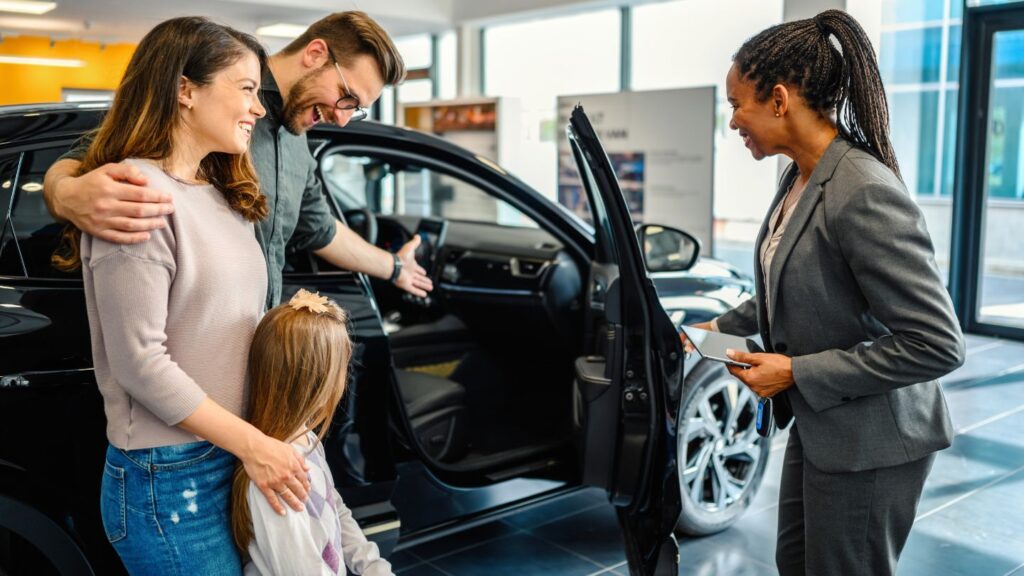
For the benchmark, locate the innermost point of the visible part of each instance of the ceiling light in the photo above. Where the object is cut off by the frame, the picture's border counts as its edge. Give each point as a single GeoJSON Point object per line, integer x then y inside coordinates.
{"type": "Point", "coordinates": [26, 6]}
{"type": "Point", "coordinates": [42, 24]}
{"type": "Point", "coordinates": [281, 30]}
{"type": "Point", "coordinates": [29, 61]}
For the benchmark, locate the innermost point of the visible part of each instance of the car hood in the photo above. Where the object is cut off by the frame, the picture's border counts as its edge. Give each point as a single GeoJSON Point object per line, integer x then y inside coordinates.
{"type": "Point", "coordinates": [708, 289]}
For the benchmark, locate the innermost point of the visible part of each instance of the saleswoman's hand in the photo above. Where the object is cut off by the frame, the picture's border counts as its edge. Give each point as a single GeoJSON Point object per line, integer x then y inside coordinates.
{"type": "Point", "coordinates": [279, 472]}
{"type": "Point", "coordinates": [768, 374]}
{"type": "Point", "coordinates": [687, 345]}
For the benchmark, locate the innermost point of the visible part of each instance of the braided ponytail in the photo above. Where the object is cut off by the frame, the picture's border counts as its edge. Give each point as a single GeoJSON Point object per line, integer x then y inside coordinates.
{"type": "Point", "coordinates": [801, 54]}
{"type": "Point", "coordinates": [865, 112]}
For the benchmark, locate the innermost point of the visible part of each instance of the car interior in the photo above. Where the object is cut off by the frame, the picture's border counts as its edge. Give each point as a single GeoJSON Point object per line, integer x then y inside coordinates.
{"type": "Point", "coordinates": [484, 365]}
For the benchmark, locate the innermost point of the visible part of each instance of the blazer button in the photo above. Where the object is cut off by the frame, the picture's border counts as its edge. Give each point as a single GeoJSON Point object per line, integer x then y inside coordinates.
{"type": "Point", "coordinates": [846, 398]}
{"type": "Point", "coordinates": [780, 347]}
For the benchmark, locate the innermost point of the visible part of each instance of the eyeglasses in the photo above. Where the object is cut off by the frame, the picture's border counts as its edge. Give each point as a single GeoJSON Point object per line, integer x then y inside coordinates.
{"type": "Point", "coordinates": [348, 102]}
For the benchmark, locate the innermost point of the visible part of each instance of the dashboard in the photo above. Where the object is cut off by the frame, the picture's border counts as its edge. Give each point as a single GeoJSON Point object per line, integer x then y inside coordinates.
{"type": "Point", "coordinates": [485, 257]}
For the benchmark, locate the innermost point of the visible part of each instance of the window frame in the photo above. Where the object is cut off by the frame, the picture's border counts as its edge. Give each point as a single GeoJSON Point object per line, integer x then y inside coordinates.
{"type": "Point", "coordinates": [428, 163]}
{"type": "Point", "coordinates": [8, 220]}
{"type": "Point", "coordinates": [62, 146]}
{"type": "Point", "coordinates": [20, 151]}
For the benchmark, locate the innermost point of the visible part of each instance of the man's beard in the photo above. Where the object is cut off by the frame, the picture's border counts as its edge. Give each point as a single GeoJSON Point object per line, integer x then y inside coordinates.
{"type": "Point", "coordinates": [297, 103]}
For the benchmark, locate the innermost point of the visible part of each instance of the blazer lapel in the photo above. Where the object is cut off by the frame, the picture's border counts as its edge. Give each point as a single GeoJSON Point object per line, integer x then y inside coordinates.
{"type": "Point", "coordinates": [802, 213]}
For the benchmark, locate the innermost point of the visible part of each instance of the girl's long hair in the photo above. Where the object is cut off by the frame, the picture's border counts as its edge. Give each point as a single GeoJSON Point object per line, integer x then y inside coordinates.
{"type": "Point", "coordinates": [801, 53]}
{"type": "Point", "coordinates": [145, 112]}
{"type": "Point", "coordinates": [298, 367]}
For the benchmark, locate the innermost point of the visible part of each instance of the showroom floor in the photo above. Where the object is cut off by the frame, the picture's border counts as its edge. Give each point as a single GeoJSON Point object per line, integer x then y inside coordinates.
{"type": "Point", "coordinates": [969, 521]}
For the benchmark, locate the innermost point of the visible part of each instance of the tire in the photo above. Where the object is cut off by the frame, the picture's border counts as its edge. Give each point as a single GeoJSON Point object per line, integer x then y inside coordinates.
{"type": "Point", "coordinates": [707, 453]}
{"type": "Point", "coordinates": [50, 550]}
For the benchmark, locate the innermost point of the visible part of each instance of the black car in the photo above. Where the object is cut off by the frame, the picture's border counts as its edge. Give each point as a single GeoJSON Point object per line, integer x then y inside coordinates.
{"type": "Point", "coordinates": [546, 359]}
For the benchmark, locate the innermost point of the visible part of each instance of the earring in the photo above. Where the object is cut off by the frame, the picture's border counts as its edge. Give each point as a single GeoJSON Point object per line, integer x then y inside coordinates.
{"type": "Point", "coordinates": [190, 107]}
{"type": "Point", "coordinates": [776, 114]}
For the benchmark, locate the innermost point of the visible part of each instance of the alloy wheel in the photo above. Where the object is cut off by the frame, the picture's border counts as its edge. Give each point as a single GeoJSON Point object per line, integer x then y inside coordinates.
{"type": "Point", "coordinates": [719, 448]}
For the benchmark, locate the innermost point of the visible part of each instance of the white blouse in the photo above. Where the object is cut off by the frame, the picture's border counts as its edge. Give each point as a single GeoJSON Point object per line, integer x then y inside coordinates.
{"type": "Point", "coordinates": [776, 230]}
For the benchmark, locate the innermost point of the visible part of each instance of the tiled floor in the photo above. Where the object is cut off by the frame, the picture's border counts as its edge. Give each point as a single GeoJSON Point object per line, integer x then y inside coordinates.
{"type": "Point", "coordinates": [970, 522]}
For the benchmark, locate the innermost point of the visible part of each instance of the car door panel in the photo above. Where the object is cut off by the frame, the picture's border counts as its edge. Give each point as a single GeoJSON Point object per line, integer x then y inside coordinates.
{"type": "Point", "coordinates": [47, 385]}
{"type": "Point", "coordinates": [640, 352]}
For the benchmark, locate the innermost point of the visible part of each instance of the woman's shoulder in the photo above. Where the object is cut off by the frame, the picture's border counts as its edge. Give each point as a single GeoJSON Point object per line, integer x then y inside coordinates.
{"type": "Point", "coordinates": [865, 191]}
{"type": "Point", "coordinates": [158, 179]}
{"type": "Point", "coordinates": [160, 247]}
{"type": "Point", "coordinates": [859, 168]}
{"type": "Point", "coordinates": [859, 174]}
{"type": "Point", "coordinates": [150, 169]}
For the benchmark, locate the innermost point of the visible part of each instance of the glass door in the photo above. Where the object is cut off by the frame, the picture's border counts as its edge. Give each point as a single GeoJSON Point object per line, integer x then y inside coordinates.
{"type": "Point", "coordinates": [987, 278]}
{"type": "Point", "coordinates": [1001, 264]}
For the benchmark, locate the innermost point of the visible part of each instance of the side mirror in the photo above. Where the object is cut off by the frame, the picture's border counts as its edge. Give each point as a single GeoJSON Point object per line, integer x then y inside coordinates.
{"type": "Point", "coordinates": [667, 249]}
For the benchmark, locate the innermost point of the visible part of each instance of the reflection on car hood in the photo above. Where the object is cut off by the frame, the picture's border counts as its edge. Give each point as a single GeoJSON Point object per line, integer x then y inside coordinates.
{"type": "Point", "coordinates": [705, 291]}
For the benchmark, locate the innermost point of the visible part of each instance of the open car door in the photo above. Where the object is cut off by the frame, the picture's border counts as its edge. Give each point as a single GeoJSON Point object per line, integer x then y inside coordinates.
{"type": "Point", "coordinates": [627, 387]}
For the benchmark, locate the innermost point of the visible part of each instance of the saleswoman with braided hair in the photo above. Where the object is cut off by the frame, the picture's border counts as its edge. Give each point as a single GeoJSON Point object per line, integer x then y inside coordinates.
{"type": "Point", "coordinates": [850, 305]}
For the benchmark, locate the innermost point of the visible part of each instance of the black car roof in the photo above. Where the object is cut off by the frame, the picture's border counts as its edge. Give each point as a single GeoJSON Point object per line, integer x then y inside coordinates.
{"type": "Point", "coordinates": [63, 119]}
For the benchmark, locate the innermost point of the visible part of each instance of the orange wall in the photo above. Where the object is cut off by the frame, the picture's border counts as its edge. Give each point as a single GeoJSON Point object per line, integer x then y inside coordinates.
{"type": "Point", "coordinates": [20, 84]}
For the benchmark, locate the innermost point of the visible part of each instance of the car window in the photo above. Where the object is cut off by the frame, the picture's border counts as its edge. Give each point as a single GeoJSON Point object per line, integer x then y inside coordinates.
{"type": "Point", "coordinates": [10, 262]}
{"type": "Point", "coordinates": [386, 187]}
{"type": "Point", "coordinates": [30, 234]}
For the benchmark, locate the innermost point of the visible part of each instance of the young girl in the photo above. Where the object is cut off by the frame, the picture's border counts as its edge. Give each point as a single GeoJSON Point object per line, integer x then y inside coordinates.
{"type": "Point", "coordinates": [298, 365]}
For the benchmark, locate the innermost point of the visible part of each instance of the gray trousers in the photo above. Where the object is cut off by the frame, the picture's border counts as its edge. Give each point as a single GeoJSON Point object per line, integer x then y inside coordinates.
{"type": "Point", "coordinates": [848, 523]}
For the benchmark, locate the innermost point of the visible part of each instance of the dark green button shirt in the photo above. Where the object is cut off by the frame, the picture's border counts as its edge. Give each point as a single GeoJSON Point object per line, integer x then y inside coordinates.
{"type": "Point", "coordinates": [298, 216]}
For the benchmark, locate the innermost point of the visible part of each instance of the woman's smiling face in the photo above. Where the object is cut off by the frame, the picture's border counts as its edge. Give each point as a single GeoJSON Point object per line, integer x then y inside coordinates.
{"type": "Point", "coordinates": [756, 121]}
{"type": "Point", "coordinates": [225, 110]}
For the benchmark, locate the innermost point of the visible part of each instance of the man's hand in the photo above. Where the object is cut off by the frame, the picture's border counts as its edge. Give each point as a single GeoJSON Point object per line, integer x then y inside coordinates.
{"type": "Point", "coordinates": [768, 375]}
{"type": "Point", "coordinates": [413, 278]}
{"type": "Point", "coordinates": [111, 203]}
{"type": "Point", "coordinates": [687, 345]}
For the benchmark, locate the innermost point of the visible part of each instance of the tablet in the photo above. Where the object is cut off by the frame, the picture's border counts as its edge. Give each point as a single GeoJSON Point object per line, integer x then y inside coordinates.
{"type": "Point", "coordinates": [712, 345]}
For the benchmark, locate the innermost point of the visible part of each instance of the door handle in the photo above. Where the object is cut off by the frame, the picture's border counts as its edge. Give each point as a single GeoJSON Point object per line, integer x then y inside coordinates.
{"type": "Point", "coordinates": [48, 379]}
{"type": "Point", "coordinates": [16, 320]}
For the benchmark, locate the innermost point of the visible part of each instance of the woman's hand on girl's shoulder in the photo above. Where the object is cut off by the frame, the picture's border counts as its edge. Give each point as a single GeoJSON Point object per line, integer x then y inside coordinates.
{"type": "Point", "coordinates": [279, 472]}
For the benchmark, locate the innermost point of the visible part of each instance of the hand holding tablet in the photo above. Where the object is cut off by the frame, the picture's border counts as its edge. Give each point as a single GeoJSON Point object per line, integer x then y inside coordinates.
{"type": "Point", "coordinates": [713, 345]}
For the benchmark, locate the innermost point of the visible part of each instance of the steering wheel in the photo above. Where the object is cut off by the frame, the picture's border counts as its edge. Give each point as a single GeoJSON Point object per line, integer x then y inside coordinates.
{"type": "Point", "coordinates": [363, 222]}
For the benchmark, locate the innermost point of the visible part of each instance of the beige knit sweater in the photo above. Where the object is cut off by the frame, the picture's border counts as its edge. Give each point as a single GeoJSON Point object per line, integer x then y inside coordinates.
{"type": "Point", "coordinates": [172, 318]}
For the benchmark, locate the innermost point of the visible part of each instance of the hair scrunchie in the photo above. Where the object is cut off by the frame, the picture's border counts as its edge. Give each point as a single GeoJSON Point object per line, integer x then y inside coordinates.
{"type": "Point", "coordinates": [822, 27]}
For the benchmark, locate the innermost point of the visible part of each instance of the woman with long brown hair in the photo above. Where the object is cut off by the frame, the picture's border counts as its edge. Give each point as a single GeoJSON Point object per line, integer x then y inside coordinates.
{"type": "Point", "coordinates": [850, 305]}
{"type": "Point", "coordinates": [298, 367]}
{"type": "Point", "coordinates": [172, 318]}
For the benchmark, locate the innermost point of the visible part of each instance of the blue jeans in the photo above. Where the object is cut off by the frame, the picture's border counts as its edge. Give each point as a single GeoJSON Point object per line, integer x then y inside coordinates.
{"type": "Point", "coordinates": [167, 510]}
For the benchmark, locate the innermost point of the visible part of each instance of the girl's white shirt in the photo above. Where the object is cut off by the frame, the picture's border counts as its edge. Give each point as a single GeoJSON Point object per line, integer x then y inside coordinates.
{"type": "Point", "coordinates": [323, 539]}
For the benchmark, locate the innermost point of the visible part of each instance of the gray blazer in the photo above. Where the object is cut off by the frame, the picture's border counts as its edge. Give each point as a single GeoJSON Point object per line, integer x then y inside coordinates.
{"type": "Point", "coordinates": [861, 309]}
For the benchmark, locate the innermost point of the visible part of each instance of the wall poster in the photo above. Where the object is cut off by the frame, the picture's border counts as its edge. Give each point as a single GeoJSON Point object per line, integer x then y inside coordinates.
{"type": "Point", "coordinates": [661, 145]}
